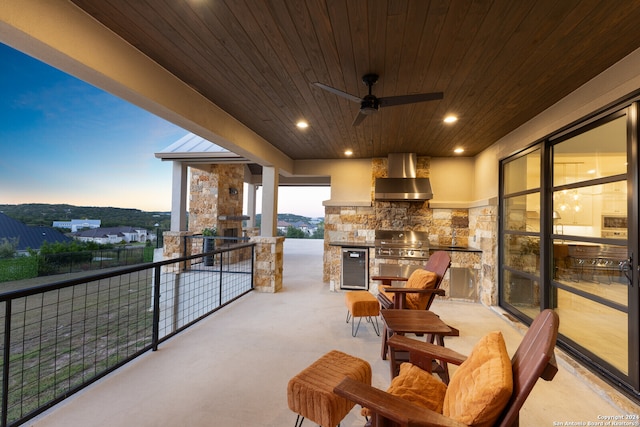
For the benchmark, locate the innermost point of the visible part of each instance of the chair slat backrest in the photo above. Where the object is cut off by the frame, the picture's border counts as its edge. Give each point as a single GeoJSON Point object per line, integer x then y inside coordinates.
{"type": "Point", "coordinates": [438, 262]}
{"type": "Point", "coordinates": [533, 359]}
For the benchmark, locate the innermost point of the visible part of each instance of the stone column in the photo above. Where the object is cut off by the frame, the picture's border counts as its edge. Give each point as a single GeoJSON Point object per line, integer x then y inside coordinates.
{"type": "Point", "coordinates": [268, 263]}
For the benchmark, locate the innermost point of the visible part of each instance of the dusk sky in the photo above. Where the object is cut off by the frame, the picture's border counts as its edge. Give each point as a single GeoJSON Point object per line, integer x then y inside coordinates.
{"type": "Point", "coordinates": [65, 141]}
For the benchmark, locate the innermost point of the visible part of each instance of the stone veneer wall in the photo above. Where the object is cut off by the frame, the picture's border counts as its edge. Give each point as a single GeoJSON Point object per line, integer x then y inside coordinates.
{"type": "Point", "coordinates": [345, 224]}
{"type": "Point", "coordinates": [215, 190]}
{"type": "Point", "coordinates": [484, 224]}
{"type": "Point", "coordinates": [474, 227]}
{"type": "Point", "coordinates": [210, 197]}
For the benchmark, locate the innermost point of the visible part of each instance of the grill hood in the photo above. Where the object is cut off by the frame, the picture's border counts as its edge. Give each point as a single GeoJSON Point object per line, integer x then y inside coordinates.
{"type": "Point", "coordinates": [402, 184]}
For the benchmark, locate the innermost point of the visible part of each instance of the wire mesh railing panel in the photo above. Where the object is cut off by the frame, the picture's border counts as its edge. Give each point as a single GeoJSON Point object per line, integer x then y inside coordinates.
{"type": "Point", "coordinates": [199, 290]}
{"type": "Point", "coordinates": [5, 349]}
{"type": "Point", "coordinates": [66, 337]}
{"type": "Point", "coordinates": [58, 338]}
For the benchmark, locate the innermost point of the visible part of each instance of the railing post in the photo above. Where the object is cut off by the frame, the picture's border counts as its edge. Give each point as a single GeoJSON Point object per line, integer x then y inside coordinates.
{"type": "Point", "coordinates": [176, 301]}
{"type": "Point", "coordinates": [253, 260]}
{"type": "Point", "coordinates": [5, 362]}
{"type": "Point", "coordinates": [220, 283]}
{"type": "Point", "coordinates": [156, 308]}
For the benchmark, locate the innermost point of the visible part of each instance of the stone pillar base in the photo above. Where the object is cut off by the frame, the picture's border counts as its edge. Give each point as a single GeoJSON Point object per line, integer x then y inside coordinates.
{"type": "Point", "coordinates": [269, 263]}
{"type": "Point", "coordinates": [174, 248]}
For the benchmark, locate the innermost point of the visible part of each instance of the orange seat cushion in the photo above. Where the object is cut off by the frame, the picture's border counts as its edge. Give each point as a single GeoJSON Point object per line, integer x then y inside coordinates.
{"type": "Point", "coordinates": [417, 386]}
{"type": "Point", "coordinates": [310, 393]}
{"type": "Point", "coordinates": [362, 303]}
{"type": "Point", "coordinates": [482, 385]}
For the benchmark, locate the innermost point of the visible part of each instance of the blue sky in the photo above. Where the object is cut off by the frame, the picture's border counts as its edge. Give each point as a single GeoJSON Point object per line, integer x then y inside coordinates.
{"type": "Point", "coordinates": [65, 141]}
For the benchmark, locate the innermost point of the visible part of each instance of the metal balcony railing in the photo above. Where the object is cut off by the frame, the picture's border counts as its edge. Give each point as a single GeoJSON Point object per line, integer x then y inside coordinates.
{"type": "Point", "coordinates": [58, 338]}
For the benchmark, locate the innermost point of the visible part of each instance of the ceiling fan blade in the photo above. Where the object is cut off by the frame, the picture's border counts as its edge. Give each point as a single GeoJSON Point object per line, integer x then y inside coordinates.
{"type": "Point", "coordinates": [359, 118]}
{"type": "Point", "coordinates": [409, 99]}
{"type": "Point", "coordinates": [337, 92]}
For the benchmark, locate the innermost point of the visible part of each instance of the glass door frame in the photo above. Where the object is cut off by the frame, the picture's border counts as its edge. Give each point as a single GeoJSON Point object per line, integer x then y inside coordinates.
{"type": "Point", "coordinates": [633, 210]}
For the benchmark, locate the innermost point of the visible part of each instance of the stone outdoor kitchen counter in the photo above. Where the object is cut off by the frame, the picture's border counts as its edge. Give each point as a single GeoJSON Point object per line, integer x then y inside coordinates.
{"type": "Point", "coordinates": [366, 244]}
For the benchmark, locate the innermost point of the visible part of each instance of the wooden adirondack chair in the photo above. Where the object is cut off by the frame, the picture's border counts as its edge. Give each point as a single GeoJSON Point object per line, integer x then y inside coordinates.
{"type": "Point", "coordinates": [421, 289]}
{"type": "Point", "coordinates": [533, 359]}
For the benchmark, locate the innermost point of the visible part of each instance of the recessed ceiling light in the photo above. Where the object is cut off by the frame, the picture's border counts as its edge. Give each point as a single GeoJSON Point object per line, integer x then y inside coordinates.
{"type": "Point", "coordinates": [348, 152]}
{"type": "Point", "coordinates": [458, 150]}
{"type": "Point", "coordinates": [302, 124]}
{"type": "Point", "coordinates": [450, 119]}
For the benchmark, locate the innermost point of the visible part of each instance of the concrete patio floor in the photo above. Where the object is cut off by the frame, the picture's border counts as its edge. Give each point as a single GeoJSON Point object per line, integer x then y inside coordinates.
{"type": "Point", "coordinates": [232, 368]}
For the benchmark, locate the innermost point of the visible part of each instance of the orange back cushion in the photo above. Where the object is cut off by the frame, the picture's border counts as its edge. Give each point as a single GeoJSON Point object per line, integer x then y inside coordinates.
{"type": "Point", "coordinates": [482, 385]}
{"type": "Point", "coordinates": [420, 279]}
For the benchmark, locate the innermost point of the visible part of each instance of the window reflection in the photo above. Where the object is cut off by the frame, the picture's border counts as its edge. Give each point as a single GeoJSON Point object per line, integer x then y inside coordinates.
{"type": "Point", "coordinates": [522, 213]}
{"type": "Point", "coordinates": [593, 211]}
{"type": "Point", "coordinates": [598, 153]}
{"type": "Point", "coordinates": [593, 269]}
{"type": "Point", "coordinates": [522, 253]}
{"type": "Point", "coordinates": [523, 292]}
{"type": "Point", "coordinates": [522, 173]}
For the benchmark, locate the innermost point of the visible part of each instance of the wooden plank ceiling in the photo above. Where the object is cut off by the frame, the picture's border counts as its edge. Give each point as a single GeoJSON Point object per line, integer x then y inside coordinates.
{"type": "Point", "coordinates": [499, 63]}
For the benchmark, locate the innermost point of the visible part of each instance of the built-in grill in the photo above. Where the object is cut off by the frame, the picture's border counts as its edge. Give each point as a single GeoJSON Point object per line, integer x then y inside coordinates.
{"type": "Point", "coordinates": [392, 244]}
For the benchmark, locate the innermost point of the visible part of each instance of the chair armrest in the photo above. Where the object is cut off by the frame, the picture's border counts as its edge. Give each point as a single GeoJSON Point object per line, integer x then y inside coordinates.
{"type": "Point", "coordinates": [438, 291]}
{"type": "Point", "coordinates": [420, 350]}
{"type": "Point", "coordinates": [391, 407]}
{"type": "Point", "coordinates": [384, 301]}
{"type": "Point", "coordinates": [386, 280]}
{"type": "Point", "coordinates": [400, 294]}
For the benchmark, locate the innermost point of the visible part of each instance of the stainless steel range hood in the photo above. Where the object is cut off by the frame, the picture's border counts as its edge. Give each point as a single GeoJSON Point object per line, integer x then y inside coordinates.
{"type": "Point", "coordinates": [402, 184]}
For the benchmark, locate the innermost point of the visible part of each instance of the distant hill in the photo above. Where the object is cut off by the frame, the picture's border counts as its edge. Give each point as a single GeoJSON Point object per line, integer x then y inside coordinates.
{"type": "Point", "coordinates": [288, 217]}
{"type": "Point", "coordinates": [34, 214]}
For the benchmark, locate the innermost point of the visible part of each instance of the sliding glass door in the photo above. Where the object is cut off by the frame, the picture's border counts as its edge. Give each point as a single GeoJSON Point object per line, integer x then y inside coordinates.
{"type": "Point", "coordinates": [590, 244]}
{"type": "Point", "coordinates": [570, 240]}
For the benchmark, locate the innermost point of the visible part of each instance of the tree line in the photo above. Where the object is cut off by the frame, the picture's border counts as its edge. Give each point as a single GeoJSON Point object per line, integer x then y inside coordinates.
{"type": "Point", "coordinates": [35, 214]}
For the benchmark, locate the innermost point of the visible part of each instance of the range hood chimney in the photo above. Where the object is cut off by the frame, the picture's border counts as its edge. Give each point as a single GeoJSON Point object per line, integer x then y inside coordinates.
{"type": "Point", "coordinates": [402, 184]}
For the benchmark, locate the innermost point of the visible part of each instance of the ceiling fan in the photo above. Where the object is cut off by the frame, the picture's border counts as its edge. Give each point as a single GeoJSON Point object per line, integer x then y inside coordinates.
{"type": "Point", "coordinates": [370, 103]}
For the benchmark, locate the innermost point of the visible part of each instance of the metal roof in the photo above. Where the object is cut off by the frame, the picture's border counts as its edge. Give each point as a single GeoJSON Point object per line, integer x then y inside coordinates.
{"type": "Point", "coordinates": [193, 147]}
{"type": "Point", "coordinates": [28, 237]}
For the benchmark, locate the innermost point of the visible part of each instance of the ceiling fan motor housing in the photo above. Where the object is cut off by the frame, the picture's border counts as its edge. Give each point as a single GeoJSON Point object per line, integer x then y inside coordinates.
{"type": "Point", "coordinates": [369, 104]}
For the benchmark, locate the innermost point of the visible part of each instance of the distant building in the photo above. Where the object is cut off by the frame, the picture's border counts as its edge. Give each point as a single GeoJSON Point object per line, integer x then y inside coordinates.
{"type": "Point", "coordinates": [306, 228]}
{"type": "Point", "coordinates": [28, 237]}
{"type": "Point", "coordinates": [77, 224]}
{"type": "Point", "coordinates": [283, 226]}
{"type": "Point", "coordinates": [112, 235]}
